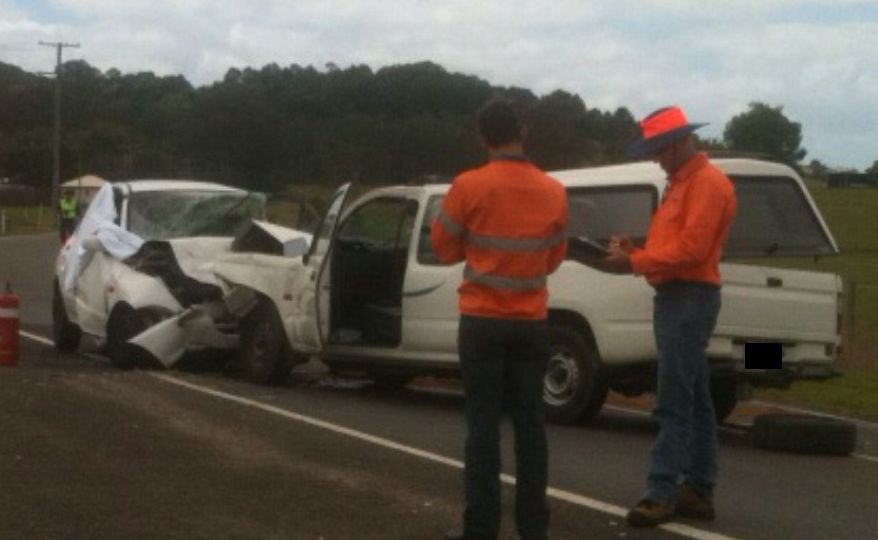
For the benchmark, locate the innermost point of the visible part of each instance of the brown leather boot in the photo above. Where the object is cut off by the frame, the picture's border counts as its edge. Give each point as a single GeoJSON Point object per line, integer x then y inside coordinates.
{"type": "Point", "coordinates": [694, 504]}
{"type": "Point", "coordinates": [649, 513]}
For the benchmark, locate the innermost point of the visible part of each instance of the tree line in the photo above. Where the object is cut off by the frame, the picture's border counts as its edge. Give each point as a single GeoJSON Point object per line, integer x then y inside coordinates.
{"type": "Point", "coordinates": [276, 127]}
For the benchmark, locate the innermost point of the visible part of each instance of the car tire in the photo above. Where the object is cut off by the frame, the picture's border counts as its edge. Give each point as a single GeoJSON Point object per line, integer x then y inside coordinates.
{"type": "Point", "coordinates": [263, 353]}
{"type": "Point", "coordinates": [724, 394]}
{"type": "Point", "coordinates": [65, 334]}
{"type": "Point", "coordinates": [124, 323]}
{"type": "Point", "coordinates": [573, 389]}
{"type": "Point", "coordinates": [805, 434]}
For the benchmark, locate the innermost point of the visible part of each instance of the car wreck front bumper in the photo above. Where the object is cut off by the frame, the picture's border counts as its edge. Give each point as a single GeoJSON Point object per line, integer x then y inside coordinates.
{"type": "Point", "coordinates": [196, 328]}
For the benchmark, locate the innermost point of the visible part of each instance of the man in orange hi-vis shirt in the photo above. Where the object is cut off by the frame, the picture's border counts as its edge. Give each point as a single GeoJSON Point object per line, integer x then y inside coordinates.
{"type": "Point", "coordinates": [681, 261]}
{"type": "Point", "coordinates": [508, 221]}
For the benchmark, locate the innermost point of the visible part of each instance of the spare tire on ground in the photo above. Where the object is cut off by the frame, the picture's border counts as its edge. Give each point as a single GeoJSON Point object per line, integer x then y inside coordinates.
{"type": "Point", "coordinates": [805, 434]}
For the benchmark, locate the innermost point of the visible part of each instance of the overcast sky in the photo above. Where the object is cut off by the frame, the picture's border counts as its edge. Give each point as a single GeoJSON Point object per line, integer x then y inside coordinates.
{"type": "Point", "coordinates": [817, 59]}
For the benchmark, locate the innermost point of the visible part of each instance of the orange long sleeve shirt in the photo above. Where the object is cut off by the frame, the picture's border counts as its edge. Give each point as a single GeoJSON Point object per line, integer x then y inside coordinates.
{"type": "Point", "coordinates": [689, 229]}
{"type": "Point", "coordinates": [508, 221]}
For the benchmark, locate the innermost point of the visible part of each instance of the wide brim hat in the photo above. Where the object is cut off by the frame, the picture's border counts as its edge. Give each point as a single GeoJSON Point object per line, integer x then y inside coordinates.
{"type": "Point", "coordinates": [660, 129]}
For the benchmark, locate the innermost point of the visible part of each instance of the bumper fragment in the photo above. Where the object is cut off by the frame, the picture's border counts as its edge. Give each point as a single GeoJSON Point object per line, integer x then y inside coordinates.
{"type": "Point", "coordinates": [190, 330]}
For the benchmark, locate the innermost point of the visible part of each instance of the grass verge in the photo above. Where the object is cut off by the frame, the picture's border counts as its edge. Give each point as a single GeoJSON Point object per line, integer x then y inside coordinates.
{"type": "Point", "coordinates": [26, 220]}
{"type": "Point", "coordinates": [854, 394]}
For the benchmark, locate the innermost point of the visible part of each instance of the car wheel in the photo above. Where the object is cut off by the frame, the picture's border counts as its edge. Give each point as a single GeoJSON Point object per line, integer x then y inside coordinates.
{"type": "Point", "coordinates": [724, 394]}
{"type": "Point", "coordinates": [804, 434]}
{"type": "Point", "coordinates": [124, 323]}
{"type": "Point", "coordinates": [572, 388]}
{"type": "Point", "coordinates": [65, 334]}
{"type": "Point", "coordinates": [262, 356]}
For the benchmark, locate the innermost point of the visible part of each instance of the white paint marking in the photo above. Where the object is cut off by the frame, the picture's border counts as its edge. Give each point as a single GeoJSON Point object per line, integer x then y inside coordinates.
{"type": "Point", "coordinates": [341, 430]}
{"type": "Point", "coordinates": [626, 410]}
{"type": "Point", "coordinates": [38, 339]}
{"type": "Point", "coordinates": [730, 428]}
{"type": "Point", "coordinates": [559, 494]}
{"type": "Point", "coordinates": [815, 413]}
{"type": "Point", "coordinates": [866, 457]}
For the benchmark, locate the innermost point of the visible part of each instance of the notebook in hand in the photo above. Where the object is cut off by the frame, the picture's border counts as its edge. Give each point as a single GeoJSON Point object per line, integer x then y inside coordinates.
{"type": "Point", "coordinates": [585, 247]}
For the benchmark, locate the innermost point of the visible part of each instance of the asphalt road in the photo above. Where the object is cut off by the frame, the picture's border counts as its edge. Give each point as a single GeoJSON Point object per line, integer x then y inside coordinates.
{"type": "Point", "coordinates": [87, 451]}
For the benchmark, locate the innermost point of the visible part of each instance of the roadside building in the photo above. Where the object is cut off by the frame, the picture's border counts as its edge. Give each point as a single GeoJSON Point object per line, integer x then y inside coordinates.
{"type": "Point", "coordinates": [12, 194]}
{"type": "Point", "coordinates": [85, 188]}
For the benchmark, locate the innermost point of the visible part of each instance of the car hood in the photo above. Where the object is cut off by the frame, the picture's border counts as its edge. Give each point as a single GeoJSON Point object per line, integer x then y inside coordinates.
{"type": "Point", "coordinates": [196, 255]}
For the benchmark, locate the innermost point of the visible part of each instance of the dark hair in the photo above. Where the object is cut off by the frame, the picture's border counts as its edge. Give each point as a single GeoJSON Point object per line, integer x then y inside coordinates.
{"type": "Point", "coordinates": [499, 124]}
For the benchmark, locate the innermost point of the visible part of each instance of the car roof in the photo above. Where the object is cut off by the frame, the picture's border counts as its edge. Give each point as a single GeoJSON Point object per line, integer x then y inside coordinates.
{"type": "Point", "coordinates": [136, 186]}
{"type": "Point", "coordinates": [647, 171]}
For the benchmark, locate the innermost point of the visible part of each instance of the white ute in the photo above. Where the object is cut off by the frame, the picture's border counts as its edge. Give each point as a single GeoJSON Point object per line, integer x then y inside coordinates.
{"type": "Point", "coordinates": [370, 296]}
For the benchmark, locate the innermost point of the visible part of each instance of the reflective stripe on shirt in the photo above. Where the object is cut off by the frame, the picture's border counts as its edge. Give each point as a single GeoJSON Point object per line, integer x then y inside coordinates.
{"type": "Point", "coordinates": [68, 208]}
{"type": "Point", "coordinates": [502, 243]}
{"type": "Point", "coordinates": [450, 226]}
{"type": "Point", "coordinates": [504, 282]}
{"type": "Point", "coordinates": [505, 243]}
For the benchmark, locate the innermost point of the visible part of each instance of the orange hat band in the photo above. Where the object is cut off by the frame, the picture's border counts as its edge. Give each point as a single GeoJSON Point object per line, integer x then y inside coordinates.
{"type": "Point", "coordinates": [662, 121]}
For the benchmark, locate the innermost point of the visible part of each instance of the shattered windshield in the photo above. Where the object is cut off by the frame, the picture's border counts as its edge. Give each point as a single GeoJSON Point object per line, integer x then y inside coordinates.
{"type": "Point", "coordinates": [163, 215]}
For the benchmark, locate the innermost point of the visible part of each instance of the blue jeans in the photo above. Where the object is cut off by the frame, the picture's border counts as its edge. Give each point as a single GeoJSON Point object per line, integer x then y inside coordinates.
{"type": "Point", "coordinates": [686, 446]}
{"type": "Point", "coordinates": [503, 362]}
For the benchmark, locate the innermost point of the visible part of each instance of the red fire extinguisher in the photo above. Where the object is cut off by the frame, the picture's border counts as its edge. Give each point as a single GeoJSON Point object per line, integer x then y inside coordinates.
{"type": "Point", "coordinates": [8, 327]}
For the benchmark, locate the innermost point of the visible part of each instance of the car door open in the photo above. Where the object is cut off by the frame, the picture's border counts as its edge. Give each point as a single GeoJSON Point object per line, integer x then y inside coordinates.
{"type": "Point", "coordinates": [313, 323]}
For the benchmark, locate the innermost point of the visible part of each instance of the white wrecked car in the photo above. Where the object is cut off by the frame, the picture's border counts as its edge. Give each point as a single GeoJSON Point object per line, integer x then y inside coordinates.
{"type": "Point", "coordinates": [137, 271]}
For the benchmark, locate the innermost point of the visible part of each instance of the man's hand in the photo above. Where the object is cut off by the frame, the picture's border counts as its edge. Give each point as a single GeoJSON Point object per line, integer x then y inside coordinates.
{"type": "Point", "coordinates": [622, 242]}
{"type": "Point", "coordinates": [617, 262]}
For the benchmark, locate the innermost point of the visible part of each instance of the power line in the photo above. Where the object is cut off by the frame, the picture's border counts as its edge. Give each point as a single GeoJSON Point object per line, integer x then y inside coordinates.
{"type": "Point", "coordinates": [56, 146]}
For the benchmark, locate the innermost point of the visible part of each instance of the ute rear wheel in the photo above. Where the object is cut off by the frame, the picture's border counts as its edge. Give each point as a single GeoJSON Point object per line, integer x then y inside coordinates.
{"type": "Point", "coordinates": [573, 389]}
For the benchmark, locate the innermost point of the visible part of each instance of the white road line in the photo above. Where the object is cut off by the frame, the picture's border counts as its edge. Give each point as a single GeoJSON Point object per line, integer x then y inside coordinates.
{"type": "Point", "coordinates": [815, 413]}
{"type": "Point", "coordinates": [627, 410]}
{"type": "Point", "coordinates": [567, 496]}
{"type": "Point", "coordinates": [562, 495]}
{"type": "Point", "coordinates": [732, 428]}
{"type": "Point", "coordinates": [38, 339]}
{"type": "Point", "coordinates": [735, 428]}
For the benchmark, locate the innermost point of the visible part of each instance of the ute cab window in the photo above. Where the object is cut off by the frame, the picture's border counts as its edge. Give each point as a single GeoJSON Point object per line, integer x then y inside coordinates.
{"type": "Point", "coordinates": [774, 218]}
{"type": "Point", "coordinates": [598, 213]}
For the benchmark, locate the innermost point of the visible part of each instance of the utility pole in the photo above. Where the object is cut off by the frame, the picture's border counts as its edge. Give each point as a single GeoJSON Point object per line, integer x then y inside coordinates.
{"type": "Point", "coordinates": [56, 145]}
